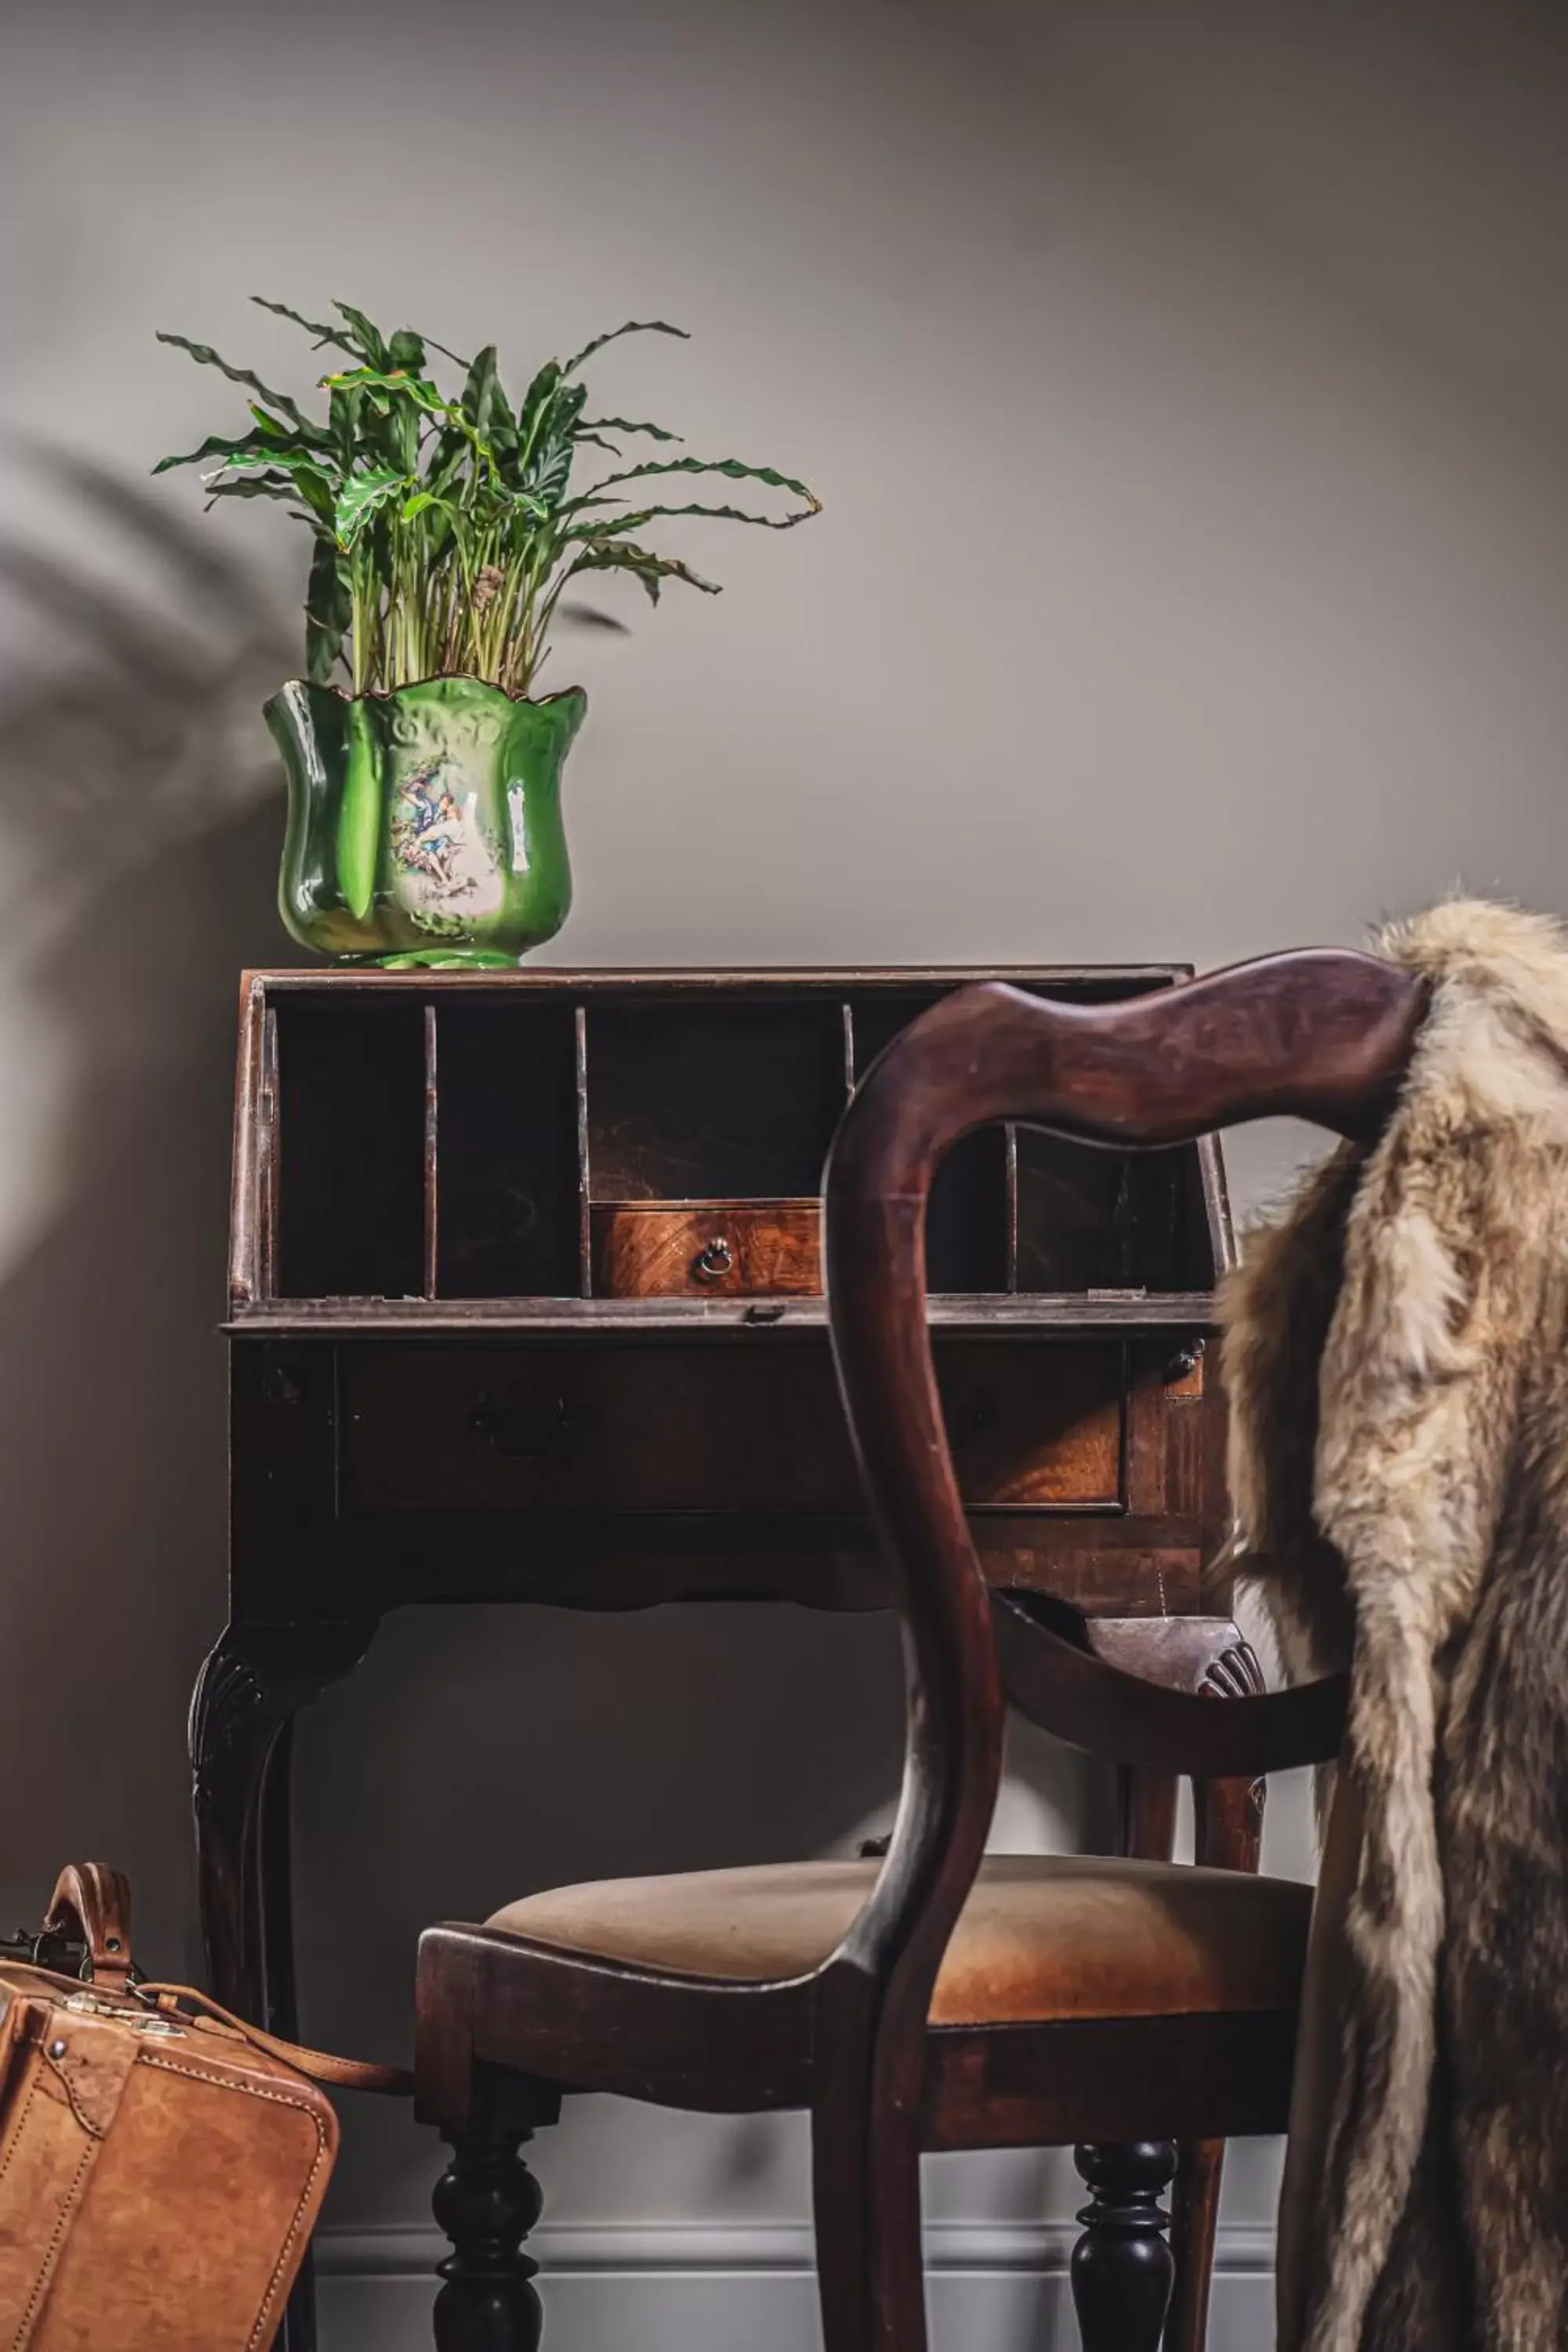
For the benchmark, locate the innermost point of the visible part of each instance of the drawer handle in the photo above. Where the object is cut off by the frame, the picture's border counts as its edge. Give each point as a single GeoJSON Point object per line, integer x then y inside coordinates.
{"type": "Point", "coordinates": [714, 1260]}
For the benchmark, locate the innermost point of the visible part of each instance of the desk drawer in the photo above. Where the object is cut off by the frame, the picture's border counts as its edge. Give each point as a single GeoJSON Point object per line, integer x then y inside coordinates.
{"type": "Point", "coordinates": [696, 1249]}
{"type": "Point", "coordinates": [681, 1427]}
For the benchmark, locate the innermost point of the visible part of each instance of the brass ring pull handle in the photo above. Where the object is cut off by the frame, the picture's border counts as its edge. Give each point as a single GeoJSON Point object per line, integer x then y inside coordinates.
{"type": "Point", "coordinates": [714, 1260]}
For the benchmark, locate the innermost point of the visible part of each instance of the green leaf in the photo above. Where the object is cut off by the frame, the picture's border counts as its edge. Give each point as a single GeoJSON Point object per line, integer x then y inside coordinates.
{"type": "Point", "coordinates": [625, 425]}
{"type": "Point", "coordinates": [501, 420]}
{"type": "Point", "coordinates": [237, 448]}
{"type": "Point", "coordinates": [407, 349]}
{"type": "Point", "coordinates": [254, 486]}
{"type": "Point", "coordinates": [619, 555]}
{"type": "Point", "coordinates": [443, 531]}
{"type": "Point", "coordinates": [624, 522]}
{"type": "Point", "coordinates": [632, 327]}
{"type": "Point", "coordinates": [536, 399]}
{"type": "Point", "coordinates": [302, 472]}
{"type": "Point", "coordinates": [369, 337]}
{"type": "Point", "coordinates": [528, 502]}
{"type": "Point", "coordinates": [381, 385]}
{"type": "Point", "coordinates": [479, 388]}
{"type": "Point", "coordinates": [444, 465]}
{"type": "Point", "coordinates": [545, 458]}
{"type": "Point", "coordinates": [548, 476]}
{"type": "Point", "coordinates": [281, 428]}
{"type": "Point", "coordinates": [273, 453]}
{"type": "Point", "coordinates": [362, 496]}
{"type": "Point", "coordinates": [327, 611]}
{"type": "Point", "coordinates": [567, 406]}
{"type": "Point", "coordinates": [342, 423]}
{"type": "Point", "coordinates": [502, 431]}
{"type": "Point", "coordinates": [424, 499]}
{"type": "Point", "coordinates": [318, 492]}
{"type": "Point", "coordinates": [323, 335]}
{"type": "Point", "coordinates": [260, 478]}
{"type": "Point", "coordinates": [204, 356]}
{"type": "Point", "coordinates": [730, 467]}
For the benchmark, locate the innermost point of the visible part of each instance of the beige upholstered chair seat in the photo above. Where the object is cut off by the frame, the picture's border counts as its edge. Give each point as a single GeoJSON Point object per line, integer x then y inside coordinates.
{"type": "Point", "coordinates": [1042, 1937]}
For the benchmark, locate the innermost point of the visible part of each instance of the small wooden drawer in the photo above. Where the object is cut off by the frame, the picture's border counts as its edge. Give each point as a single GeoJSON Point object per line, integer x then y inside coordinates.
{"type": "Point", "coordinates": [692, 1426]}
{"type": "Point", "coordinates": [693, 1249]}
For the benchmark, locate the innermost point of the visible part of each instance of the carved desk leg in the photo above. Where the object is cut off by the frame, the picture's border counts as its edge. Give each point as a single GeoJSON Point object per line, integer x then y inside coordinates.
{"type": "Point", "coordinates": [245, 1697]}
{"type": "Point", "coordinates": [1228, 1826]}
{"type": "Point", "coordinates": [242, 1713]}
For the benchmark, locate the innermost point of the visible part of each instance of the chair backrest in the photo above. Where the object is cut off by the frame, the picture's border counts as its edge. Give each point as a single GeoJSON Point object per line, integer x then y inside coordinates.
{"type": "Point", "coordinates": [1322, 1034]}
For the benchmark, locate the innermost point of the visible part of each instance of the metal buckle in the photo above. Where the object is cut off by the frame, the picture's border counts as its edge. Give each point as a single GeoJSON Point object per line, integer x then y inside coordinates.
{"type": "Point", "coordinates": [87, 2004]}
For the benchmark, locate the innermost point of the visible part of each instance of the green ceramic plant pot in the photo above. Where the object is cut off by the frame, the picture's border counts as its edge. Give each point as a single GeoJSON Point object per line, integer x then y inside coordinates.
{"type": "Point", "coordinates": [424, 824]}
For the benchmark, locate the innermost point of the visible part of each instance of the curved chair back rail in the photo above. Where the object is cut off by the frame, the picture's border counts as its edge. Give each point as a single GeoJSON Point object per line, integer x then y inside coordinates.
{"type": "Point", "coordinates": [1324, 1035]}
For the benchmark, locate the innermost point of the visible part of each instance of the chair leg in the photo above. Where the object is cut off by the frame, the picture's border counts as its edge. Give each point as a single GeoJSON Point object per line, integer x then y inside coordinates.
{"type": "Point", "coordinates": [487, 2201]}
{"type": "Point", "coordinates": [1194, 2207]}
{"type": "Point", "coordinates": [866, 2194]}
{"type": "Point", "coordinates": [1227, 1820]}
{"type": "Point", "coordinates": [1121, 2266]}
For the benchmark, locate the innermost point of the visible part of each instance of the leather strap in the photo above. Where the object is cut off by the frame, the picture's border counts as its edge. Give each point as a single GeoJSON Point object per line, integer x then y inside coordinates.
{"type": "Point", "coordinates": [318, 2065]}
{"type": "Point", "coordinates": [96, 1900]}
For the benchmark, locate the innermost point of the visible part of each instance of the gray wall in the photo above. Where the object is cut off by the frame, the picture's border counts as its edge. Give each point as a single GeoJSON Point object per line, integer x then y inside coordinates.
{"type": "Point", "coordinates": [1186, 388]}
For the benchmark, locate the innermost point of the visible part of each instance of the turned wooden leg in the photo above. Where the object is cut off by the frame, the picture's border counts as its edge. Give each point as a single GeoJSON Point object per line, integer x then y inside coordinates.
{"type": "Point", "coordinates": [1121, 2266]}
{"type": "Point", "coordinates": [487, 2201]}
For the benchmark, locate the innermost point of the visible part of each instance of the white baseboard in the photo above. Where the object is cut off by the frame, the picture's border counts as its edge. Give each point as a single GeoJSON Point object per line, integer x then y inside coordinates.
{"type": "Point", "coordinates": [993, 2287]}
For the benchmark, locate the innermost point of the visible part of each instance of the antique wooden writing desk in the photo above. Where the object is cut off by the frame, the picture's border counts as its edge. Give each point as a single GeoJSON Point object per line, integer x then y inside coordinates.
{"type": "Point", "coordinates": [525, 1305]}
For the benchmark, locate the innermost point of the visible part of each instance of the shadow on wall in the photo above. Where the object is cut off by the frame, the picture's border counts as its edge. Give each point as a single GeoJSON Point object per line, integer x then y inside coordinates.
{"type": "Point", "coordinates": [479, 1753]}
{"type": "Point", "coordinates": [140, 831]}
{"type": "Point", "coordinates": [138, 848]}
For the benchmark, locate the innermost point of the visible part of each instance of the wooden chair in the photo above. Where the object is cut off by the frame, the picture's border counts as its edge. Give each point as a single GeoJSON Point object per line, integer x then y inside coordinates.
{"type": "Point", "coordinates": [942, 1999]}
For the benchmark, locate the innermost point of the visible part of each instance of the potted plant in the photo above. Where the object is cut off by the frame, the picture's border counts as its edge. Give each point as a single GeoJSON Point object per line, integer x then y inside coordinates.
{"type": "Point", "coordinates": [424, 797]}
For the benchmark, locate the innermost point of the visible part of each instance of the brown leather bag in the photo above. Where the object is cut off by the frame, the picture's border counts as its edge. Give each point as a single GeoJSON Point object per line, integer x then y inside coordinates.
{"type": "Point", "coordinates": [162, 2165]}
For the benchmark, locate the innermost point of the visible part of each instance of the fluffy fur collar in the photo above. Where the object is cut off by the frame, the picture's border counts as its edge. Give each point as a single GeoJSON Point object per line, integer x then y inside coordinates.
{"type": "Point", "coordinates": [1396, 1354]}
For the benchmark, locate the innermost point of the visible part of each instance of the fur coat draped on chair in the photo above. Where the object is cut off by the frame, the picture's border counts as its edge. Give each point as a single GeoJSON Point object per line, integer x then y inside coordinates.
{"type": "Point", "coordinates": [1396, 1353]}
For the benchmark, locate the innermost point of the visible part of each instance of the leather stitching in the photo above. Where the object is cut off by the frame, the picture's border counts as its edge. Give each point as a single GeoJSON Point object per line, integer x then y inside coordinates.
{"type": "Point", "coordinates": [45, 2268]}
{"type": "Point", "coordinates": [21, 2119]}
{"type": "Point", "coordinates": [94, 2131]}
{"type": "Point", "coordinates": [279, 2099]}
{"type": "Point", "coordinates": [257, 2336]}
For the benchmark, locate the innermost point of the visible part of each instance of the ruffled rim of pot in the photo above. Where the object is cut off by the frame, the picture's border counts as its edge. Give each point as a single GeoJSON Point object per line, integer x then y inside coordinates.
{"type": "Point", "coordinates": [435, 678]}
